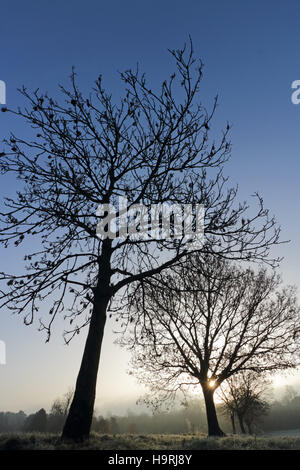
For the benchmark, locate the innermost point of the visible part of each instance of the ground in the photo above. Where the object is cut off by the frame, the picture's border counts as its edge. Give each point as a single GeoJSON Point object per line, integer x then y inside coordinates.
{"type": "Point", "coordinates": [35, 441]}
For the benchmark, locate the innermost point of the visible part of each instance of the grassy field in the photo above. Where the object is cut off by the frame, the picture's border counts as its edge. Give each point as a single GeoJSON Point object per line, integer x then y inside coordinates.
{"type": "Point", "coordinates": [147, 442]}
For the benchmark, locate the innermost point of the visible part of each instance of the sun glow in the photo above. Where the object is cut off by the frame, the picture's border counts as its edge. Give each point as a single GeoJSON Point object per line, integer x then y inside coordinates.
{"type": "Point", "coordinates": [212, 383]}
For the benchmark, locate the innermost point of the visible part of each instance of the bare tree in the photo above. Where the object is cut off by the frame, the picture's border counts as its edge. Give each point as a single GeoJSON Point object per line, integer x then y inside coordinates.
{"type": "Point", "coordinates": [61, 406]}
{"type": "Point", "coordinates": [152, 147]}
{"type": "Point", "coordinates": [59, 411]}
{"type": "Point", "coordinates": [205, 321]}
{"type": "Point", "coordinates": [244, 396]}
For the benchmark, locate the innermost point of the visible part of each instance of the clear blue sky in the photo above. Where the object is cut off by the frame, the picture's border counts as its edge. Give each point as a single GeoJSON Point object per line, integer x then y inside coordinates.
{"type": "Point", "coordinates": [251, 54]}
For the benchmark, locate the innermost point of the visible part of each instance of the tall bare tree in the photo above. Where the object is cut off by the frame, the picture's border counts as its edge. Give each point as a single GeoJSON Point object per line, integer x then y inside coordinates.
{"type": "Point", "coordinates": [151, 147]}
{"type": "Point", "coordinates": [205, 321]}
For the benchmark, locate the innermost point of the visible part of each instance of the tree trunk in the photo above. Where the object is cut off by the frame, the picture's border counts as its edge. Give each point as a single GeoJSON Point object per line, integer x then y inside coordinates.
{"type": "Point", "coordinates": [78, 423]}
{"type": "Point", "coordinates": [241, 422]}
{"type": "Point", "coordinates": [249, 426]}
{"type": "Point", "coordinates": [79, 420]}
{"type": "Point", "coordinates": [233, 423]}
{"type": "Point", "coordinates": [212, 420]}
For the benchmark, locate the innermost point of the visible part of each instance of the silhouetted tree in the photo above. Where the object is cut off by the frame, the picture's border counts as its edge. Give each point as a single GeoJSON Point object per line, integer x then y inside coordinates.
{"type": "Point", "coordinates": [36, 422]}
{"type": "Point", "coordinates": [205, 321]}
{"type": "Point", "coordinates": [244, 396]}
{"type": "Point", "coordinates": [152, 147]}
{"type": "Point", "coordinates": [256, 410]}
{"type": "Point", "coordinates": [59, 411]}
{"type": "Point", "coordinates": [61, 406]}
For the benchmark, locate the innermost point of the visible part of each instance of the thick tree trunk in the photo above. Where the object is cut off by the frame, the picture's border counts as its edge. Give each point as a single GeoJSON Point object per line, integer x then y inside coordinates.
{"type": "Point", "coordinates": [233, 423]}
{"type": "Point", "coordinates": [212, 420]}
{"type": "Point", "coordinates": [79, 420]}
{"type": "Point", "coordinates": [78, 423]}
{"type": "Point", "coordinates": [241, 422]}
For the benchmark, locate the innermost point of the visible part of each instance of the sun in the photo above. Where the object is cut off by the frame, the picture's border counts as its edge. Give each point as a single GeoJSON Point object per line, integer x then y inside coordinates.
{"type": "Point", "coordinates": [212, 383]}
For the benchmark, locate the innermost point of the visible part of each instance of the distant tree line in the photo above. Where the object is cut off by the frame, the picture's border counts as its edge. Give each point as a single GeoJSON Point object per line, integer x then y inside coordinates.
{"type": "Point", "coordinates": [280, 414]}
{"type": "Point", "coordinates": [283, 414]}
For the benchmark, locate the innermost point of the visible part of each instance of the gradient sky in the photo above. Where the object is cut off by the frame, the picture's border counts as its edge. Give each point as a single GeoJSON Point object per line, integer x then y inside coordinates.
{"type": "Point", "coordinates": [251, 54]}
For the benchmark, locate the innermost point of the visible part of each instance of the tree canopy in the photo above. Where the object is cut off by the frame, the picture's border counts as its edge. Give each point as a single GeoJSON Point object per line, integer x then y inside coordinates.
{"type": "Point", "coordinates": [207, 320]}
